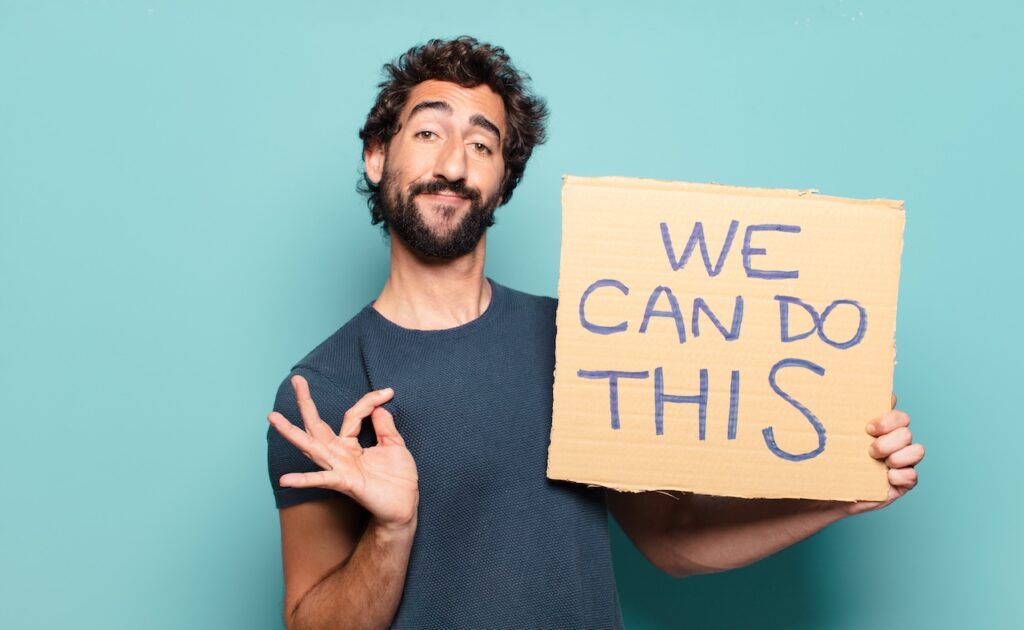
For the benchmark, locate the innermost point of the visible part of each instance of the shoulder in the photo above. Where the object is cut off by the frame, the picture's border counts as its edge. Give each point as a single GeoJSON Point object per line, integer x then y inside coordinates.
{"type": "Point", "coordinates": [528, 316]}
{"type": "Point", "coordinates": [523, 303]}
{"type": "Point", "coordinates": [336, 359]}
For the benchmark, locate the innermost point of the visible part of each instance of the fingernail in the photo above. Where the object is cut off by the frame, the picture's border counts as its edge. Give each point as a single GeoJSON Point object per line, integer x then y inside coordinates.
{"type": "Point", "coordinates": [387, 390]}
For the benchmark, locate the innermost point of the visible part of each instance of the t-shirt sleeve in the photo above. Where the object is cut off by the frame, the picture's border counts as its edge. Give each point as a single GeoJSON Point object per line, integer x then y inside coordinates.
{"type": "Point", "coordinates": [332, 402]}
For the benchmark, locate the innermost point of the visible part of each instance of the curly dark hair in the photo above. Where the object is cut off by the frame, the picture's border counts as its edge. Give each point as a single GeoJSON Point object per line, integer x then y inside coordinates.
{"type": "Point", "coordinates": [468, 63]}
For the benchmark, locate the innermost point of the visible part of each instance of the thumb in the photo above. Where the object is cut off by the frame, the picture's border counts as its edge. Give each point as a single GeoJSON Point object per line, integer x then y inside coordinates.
{"type": "Point", "coordinates": [384, 427]}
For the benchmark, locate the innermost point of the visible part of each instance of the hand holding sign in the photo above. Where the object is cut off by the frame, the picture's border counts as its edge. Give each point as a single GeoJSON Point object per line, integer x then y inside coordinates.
{"type": "Point", "coordinates": [893, 444]}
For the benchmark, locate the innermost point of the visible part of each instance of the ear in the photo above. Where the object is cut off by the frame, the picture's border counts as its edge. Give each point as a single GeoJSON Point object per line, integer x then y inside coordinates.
{"type": "Point", "coordinates": [373, 161]}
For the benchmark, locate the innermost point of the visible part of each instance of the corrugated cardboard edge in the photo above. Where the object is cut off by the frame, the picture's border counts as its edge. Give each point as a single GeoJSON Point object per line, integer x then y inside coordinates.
{"type": "Point", "coordinates": [716, 188]}
{"type": "Point", "coordinates": [661, 184]}
{"type": "Point", "coordinates": [638, 489]}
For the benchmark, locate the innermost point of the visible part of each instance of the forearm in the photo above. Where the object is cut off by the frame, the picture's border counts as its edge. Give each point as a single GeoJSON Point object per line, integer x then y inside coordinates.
{"type": "Point", "coordinates": [710, 534]}
{"type": "Point", "coordinates": [365, 591]}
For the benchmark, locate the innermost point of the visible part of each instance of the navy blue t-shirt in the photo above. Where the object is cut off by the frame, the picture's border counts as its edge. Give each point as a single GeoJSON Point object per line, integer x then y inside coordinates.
{"type": "Point", "coordinates": [498, 545]}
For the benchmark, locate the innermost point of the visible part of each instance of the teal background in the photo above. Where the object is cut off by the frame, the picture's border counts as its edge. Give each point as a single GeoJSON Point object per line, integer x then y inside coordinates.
{"type": "Point", "coordinates": [178, 225]}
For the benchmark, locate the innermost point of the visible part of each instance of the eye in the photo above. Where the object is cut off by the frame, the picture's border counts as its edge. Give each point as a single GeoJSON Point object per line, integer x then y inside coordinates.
{"type": "Point", "coordinates": [426, 135]}
{"type": "Point", "coordinates": [481, 148]}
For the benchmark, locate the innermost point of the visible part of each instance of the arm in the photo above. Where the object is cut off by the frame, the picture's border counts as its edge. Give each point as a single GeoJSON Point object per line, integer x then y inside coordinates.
{"type": "Point", "coordinates": [345, 558]}
{"type": "Point", "coordinates": [690, 534]}
{"type": "Point", "coordinates": [340, 566]}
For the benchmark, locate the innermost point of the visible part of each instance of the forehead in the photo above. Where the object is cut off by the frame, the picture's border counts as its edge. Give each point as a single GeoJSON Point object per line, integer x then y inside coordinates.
{"type": "Point", "coordinates": [465, 102]}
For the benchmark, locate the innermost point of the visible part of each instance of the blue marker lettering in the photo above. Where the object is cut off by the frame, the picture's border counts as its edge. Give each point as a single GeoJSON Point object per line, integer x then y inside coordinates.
{"type": "Point", "coordinates": [697, 237]}
{"type": "Point", "coordinates": [613, 387]}
{"type": "Point", "coordinates": [737, 318]}
{"type": "Point", "coordinates": [675, 313]}
{"type": "Point", "coordinates": [597, 328]}
{"type": "Point", "coordinates": [748, 251]}
{"type": "Point", "coordinates": [769, 433]}
{"type": "Point", "coordinates": [660, 398]}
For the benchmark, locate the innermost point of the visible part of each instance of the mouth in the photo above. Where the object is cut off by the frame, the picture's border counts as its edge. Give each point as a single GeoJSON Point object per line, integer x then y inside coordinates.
{"type": "Point", "coordinates": [444, 197]}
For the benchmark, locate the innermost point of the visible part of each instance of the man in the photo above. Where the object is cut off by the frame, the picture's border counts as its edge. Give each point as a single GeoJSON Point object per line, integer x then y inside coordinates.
{"type": "Point", "coordinates": [448, 520]}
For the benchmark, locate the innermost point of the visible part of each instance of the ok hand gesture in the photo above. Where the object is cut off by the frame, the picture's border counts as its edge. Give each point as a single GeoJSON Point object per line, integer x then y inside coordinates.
{"type": "Point", "coordinates": [381, 478]}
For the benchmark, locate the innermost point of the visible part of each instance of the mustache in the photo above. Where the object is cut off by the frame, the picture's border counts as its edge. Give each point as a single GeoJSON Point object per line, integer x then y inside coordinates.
{"type": "Point", "coordinates": [445, 187]}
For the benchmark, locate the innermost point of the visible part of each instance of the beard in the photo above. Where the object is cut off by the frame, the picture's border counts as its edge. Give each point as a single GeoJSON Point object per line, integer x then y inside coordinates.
{"type": "Point", "coordinates": [451, 241]}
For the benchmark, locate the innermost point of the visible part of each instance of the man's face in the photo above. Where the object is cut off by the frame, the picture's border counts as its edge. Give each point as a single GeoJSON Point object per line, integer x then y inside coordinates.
{"type": "Point", "coordinates": [441, 173]}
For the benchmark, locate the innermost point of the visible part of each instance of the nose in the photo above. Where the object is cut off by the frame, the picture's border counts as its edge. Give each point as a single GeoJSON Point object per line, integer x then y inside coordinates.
{"type": "Point", "coordinates": [451, 161]}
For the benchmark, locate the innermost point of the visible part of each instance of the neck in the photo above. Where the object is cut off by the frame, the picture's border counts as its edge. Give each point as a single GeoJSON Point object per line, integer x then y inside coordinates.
{"type": "Point", "coordinates": [430, 294]}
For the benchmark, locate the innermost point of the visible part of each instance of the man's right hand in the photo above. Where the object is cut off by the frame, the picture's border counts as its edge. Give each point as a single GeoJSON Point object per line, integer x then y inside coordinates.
{"type": "Point", "coordinates": [381, 478]}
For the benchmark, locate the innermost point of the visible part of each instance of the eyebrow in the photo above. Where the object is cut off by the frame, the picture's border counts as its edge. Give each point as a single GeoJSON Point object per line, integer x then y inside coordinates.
{"type": "Point", "coordinates": [424, 105]}
{"type": "Point", "coordinates": [477, 120]}
{"type": "Point", "coordinates": [480, 121]}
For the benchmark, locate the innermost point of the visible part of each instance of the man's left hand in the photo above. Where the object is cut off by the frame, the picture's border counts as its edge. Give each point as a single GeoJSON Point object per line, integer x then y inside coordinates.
{"type": "Point", "coordinates": [894, 445]}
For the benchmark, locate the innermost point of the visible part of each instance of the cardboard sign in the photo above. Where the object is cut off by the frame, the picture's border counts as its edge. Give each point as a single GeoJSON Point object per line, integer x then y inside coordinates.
{"type": "Point", "coordinates": [722, 340]}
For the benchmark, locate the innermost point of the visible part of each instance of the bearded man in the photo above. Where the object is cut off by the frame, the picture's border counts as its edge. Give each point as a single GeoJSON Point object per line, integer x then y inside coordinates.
{"type": "Point", "coordinates": [437, 512]}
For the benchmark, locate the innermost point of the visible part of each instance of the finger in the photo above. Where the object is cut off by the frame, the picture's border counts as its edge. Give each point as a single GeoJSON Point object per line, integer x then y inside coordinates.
{"type": "Point", "coordinates": [363, 407]}
{"type": "Point", "coordinates": [888, 422]}
{"type": "Point", "coordinates": [301, 440]}
{"type": "Point", "coordinates": [906, 457]}
{"type": "Point", "coordinates": [318, 479]}
{"type": "Point", "coordinates": [384, 427]}
{"type": "Point", "coordinates": [310, 416]}
{"type": "Point", "coordinates": [905, 478]}
{"type": "Point", "coordinates": [892, 401]}
{"type": "Point", "coordinates": [891, 442]}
